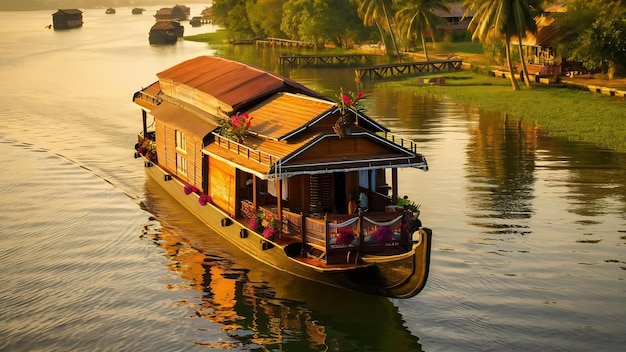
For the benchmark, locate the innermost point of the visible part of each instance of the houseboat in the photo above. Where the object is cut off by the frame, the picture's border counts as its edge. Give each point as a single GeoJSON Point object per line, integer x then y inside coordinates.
{"type": "Point", "coordinates": [110, 11]}
{"type": "Point", "coordinates": [67, 18]}
{"type": "Point", "coordinates": [176, 13]}
{"type": "Point", "coordinates": [137, 11]}
{"type": "Point", "coordinates": [163, 33]}
{"type": "Point", "coordinates": [294, 179]}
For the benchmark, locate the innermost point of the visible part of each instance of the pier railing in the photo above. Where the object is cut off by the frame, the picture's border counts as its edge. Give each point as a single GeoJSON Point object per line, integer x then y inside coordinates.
{"type": "Point", "coordinates": [327, 59]}
{"type": "Point", "coordinates": [388, 70]}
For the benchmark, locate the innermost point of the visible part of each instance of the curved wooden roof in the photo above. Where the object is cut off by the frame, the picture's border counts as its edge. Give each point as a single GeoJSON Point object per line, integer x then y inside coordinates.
{"type": "Point", "coordinates": [234, 84]}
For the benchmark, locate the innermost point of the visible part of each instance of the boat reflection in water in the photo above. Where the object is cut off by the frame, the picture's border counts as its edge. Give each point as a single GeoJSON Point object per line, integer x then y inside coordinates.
{"type": "Point", "coordinates": [258, 305]}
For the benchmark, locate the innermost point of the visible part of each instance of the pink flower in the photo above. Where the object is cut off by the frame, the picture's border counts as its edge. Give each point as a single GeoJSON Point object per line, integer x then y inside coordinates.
{"type": "Point", "coordinates": [383, 234]}
{"type": "Point", "coordinates": [345, 236]}
{"type": "Point", "coordinates": [359, 95]}
{"type": "Point", "coordinates": [269, 233]}
{"type": "Point", "coordinates": [204, 199]}
{"type": "Point", "coordinates": [188, 189]}
{"type": "Point", "coordinates": [254, 223]}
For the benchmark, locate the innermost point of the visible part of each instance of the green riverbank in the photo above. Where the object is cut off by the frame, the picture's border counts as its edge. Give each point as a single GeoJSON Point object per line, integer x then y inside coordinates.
{"type": "Point", "coordinates": [560, 111]}
{"type": "Point", "coordinates": [577, 115]}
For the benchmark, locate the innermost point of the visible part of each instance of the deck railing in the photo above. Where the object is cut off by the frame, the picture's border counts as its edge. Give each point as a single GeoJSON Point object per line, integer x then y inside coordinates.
{"type": "Point", "coordinates": [403, 142]}
{"type": "Point", "coordinates": [154, 100]}
{"type": "Point", "coordinates": [372, 231]}
{"type": "Point", "coordinates": [251, 154]}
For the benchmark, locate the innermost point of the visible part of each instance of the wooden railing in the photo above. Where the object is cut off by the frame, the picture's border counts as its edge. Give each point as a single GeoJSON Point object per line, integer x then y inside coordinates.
{"type": "Point", "coordinates": [322, 233]}
{"type": "Point", "coordinates": [154, 100]}
{"type": "Point", "coordinates": [405, 143]}
{"type": "Point", "coordinates": [255, 155]}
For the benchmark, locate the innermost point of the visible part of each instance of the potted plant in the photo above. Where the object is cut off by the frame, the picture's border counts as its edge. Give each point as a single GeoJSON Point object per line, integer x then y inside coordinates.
{"type": "Point", "coordinates": [235, 127]}
{"type": "Point", "coordinates": [383, 234]}
{"type": "Point", "coordinates": [255, 222]}
{"type": "Point", "coordinates": [272, 226]}
{"type": "Point", "coordinates": [345, 236]}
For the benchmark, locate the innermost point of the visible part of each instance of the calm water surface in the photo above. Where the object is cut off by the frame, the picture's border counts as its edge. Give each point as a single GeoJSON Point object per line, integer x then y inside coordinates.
{"type": "Point", "coordinates": [529, 251]}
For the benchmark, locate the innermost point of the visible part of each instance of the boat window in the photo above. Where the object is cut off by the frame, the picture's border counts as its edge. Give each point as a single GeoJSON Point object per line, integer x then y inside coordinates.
{"type": "Point", "coordinates": [367, 179]}
{"type": "Point", "coordinates": [271, 189]}
{"type": "Point", "coordinates": [181, 141]}
{"type": "Point", "coordinates": [363, 178]}
{"type": "Point", "coordinates": [181, 164]}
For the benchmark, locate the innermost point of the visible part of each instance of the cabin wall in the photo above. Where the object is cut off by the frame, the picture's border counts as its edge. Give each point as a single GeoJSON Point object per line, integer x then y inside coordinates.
{"type": "Point", "coordinates": [165, 136]}
{"type": "Point", "coordinates": [298, 188]}
{"type": "Point", "coordinates": [223, 185]}
{"type": "Point", "coordinates": [64, 21]}
{"type": "Point", "coordinates": [342, 147]}
{"type": "Point", "coordinates": [194, 97]}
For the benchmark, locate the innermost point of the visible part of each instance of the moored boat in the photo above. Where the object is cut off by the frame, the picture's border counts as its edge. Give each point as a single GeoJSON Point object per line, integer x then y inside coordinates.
{"type": "Point", "coordinates": [137, 11]}
{"type": "Point", "coordinates": [277, 169]}
{"type": "Point", "coordinates": [67, 18]}
{"type": "Point", "coordinates": [195, 21]}
{"type": "Point", "coordinates": [110, 11]}
{"type": "Point", "coordinates": [163, 33]}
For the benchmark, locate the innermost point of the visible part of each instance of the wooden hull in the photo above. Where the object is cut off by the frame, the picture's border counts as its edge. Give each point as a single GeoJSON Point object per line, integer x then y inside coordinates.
{"type": "Point", "coordinates": [400, 276]}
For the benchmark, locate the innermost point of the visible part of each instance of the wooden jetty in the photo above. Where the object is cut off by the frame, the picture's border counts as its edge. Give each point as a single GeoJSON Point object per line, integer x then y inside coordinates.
{"type": "Point", "coordinates": [285, 42]}
{"type": "Point", "coordinates": [327, 59]}
{"type": "Point", "coordinates": [408, 68]}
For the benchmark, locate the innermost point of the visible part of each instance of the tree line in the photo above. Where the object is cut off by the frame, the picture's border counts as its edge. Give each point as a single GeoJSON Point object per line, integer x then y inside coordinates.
{"type": "Point", "coordinates": [590, 32]}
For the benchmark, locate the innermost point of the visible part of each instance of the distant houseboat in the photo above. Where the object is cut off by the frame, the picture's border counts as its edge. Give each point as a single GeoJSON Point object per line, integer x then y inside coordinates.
{"type": "Point", "coordinates": [175, 13]}
{"type": "Point", "coordinates": [67, 18]}
{"type": "Point", "coordinates": [163, 33]}
{"type": "Point", "coordinates": [138, 11]}
{"type": "Point", "coordinates": [196, 21]}
{"type": "Point", "coordinates": [110, 11]}
{"type": "Point", "coordinates": [276, 169]}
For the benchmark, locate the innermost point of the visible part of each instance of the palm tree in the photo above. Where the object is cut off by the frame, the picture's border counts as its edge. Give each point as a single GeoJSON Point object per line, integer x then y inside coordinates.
{"type": "Point", "coordinates": [419, 15]}
{"type": "Point", "coordinates": [524, 12]}
{"type": "Point", "coordinates": [374, 11]}
{"type": "Point", "coordinates": [507, 18]}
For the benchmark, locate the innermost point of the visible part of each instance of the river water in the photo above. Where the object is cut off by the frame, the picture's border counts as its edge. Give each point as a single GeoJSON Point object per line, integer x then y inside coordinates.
{"type": "Point", "coordinates": [529, 249]}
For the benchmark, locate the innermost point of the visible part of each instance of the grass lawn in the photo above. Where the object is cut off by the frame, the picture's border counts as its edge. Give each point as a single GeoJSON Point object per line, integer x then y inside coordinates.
{"type": "Point", "coordinates": [218, 37]}
{"type": "Point", "coordinates": [561, 112]}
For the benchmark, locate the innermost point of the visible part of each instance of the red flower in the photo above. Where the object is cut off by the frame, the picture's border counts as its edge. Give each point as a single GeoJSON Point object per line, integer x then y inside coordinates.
{"type": "Point", "coordinates": [269, 233]}
{"type": "Point", "coordinates": [345, 236]}
{"type": "Point", "coordinates": [204, 199]}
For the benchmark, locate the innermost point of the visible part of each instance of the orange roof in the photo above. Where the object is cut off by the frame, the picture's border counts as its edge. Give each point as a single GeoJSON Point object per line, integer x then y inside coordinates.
{"type": "Point", "coordinates": [183, 119]}
{"type": "Point", "coordinates": [233, 83]}
{"type": "Point", "coordinates": [284, 114]}
{"type": "Point", "coordinates": [162, 26]}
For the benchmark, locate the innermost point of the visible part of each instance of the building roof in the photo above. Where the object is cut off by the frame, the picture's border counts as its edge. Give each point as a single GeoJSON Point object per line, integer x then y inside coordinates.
{"type": "Point", "coordinates": [232, 83]}
{"type": "Point", "coordinates": [162, 26]}
{"type": "Point", "coordinates": [69, 12]}
{"type": "Point", "coordinates": [284, 114]}
{"type": "Point", "coordinates": [182, 119]}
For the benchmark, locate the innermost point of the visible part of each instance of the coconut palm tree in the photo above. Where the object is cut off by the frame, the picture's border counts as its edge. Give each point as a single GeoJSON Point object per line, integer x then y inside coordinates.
{"type": "Point", "coordinates": [419, 15]}
{"type": "Point", "coordinates": [375, 11]}
{"type": "Point", "coordinates": [502, 18]}
{"type": "Point", "coordinates": [524, 12]}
